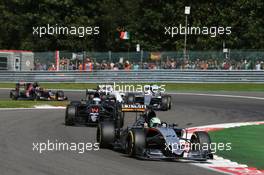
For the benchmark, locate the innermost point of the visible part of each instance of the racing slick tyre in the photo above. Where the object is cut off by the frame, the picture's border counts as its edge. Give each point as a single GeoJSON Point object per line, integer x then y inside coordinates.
{"type": "Point", "coordinates": [105, 134]}
{"type": "Point", "coordinates": [165, 103]}
{"type": "Point", "coordinates": [120, 120]}
{"type": "Point", "coordinates": [13, 95]}
{"type": "Point", "coordinates": [59, 95]}
{"type": "Point", "coordinates": [201, 141]}
{"type": "Point", "coordinates": [136, 142]}
{"type": "Point", "coordinates": [169, 102]}
{"type": "Point", "coordinates": [70, 115]}
{"type": "Point", "coordinates": [37, 96]}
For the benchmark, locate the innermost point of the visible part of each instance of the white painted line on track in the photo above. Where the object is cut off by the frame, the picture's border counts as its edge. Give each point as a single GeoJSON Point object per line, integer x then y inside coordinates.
{"type": "Point", "coordinates": [219, 95]}
{"type": "Point", "coordinates": [175, 93]}
{"type": "Point", "coordinates": [66, 90]}
{"type": "Point", "coordinates": [35, 108]}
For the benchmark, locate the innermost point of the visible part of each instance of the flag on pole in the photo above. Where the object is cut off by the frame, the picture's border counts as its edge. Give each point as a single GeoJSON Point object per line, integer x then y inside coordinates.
{"type": "Point", "coordinates": [57, 60]}
{"type": "Point", "coordinates": [124, 35]}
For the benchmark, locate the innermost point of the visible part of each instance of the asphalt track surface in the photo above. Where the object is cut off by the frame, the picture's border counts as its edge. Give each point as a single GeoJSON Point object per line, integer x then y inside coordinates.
{"type": "Point", "coordinates": [20, 128]}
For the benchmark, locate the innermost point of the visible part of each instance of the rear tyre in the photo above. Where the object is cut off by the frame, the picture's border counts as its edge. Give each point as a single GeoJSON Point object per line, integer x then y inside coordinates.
{"type": "Point", "coordinates": [37, 96]}
{"type": "Point", "coordinates": [136, 142]}
{"type": "Point", "coordinates": [13, 95]}
{"type": "Point", "coordinates": [169, 102]}
{"type": "Point", "coordinates": [59, 95]}
{"type": "Point", "coordinates": [71, 112]}
{"type": "Point", "coordinates": [105, 134]}
{"type": "Point", "coordinates": [165, 103]}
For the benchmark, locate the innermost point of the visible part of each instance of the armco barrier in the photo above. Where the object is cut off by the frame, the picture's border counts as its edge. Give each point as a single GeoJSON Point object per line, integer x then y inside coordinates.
{"type": "Point", "coordinates": [107, 76]}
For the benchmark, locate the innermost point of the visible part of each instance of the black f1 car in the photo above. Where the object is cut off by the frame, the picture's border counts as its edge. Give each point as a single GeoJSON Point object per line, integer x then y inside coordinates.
{"type": "Point", "coordinates": [96, 107]}
{"type": "Point", "coordinates": [160, 142]}
{"type": "Point", "coordinates": [32, 91]}
{"type": "Point", "coordinates": [99, 106]}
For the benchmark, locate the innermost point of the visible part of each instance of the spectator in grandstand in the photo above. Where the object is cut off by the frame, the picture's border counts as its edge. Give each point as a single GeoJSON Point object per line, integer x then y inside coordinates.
{"type": "Point", "coordinates": [247, 65]}
{"type": "Point", "coordinates": [52, 68]}
{"type": "Point", "coordinates": [258, 65]}
{"type": "Point", "coordinates": [104, 65]}
{"type": "Point", "coordinates": [88, 65]}
{"type": "Point", "coordinates": [72, 66]}
{"type": "Point", "coordinates": [225, 65]}
{"type": "Point", "coordinates": [80, 66]}
{"type": "Point", "coordinates": [168, 63]}
{"type": "Point", "coordinates": [135, 66]}
{"type": "Point", "coordinates": [111, 65]}
{"type": "Point", "coordinates": [115, 67]}
{"type": "Point", "coordinates": [127, 65]}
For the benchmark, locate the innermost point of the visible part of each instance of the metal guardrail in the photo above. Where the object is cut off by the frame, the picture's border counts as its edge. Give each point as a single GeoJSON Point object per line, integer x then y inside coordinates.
{"type": "Point", "coordinates": [161, 76]}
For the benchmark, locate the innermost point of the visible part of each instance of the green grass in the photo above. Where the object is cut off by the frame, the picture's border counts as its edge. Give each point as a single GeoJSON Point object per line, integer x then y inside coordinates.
{"type": "Point", "coordinates": [168, 87]}
{"type": "Point", "coordinates": [247, 144]}
{"type": "Point", "coordinates": [29, 104]}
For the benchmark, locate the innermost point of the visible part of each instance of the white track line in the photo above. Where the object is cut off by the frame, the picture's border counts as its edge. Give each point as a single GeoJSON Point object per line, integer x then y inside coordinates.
{"type": "Point", "coordinates": [219, 95]}
{"type": "Point", "coordinates": [34, 108]}
{"type": "Point", "coordinates": [176, 93]}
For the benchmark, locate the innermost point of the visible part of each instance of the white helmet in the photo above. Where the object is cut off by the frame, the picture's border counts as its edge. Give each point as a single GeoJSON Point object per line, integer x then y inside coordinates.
{"type": "Point", "coordinates": [96, 100]}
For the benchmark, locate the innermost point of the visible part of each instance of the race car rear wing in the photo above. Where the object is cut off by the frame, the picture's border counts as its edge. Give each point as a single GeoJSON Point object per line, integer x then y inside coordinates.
{"type": "Point", "coordinates": [133, 108]}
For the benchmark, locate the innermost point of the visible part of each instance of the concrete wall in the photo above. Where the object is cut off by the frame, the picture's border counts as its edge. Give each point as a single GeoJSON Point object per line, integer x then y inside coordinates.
{"type": "Point", "coordinates": [18, 60]}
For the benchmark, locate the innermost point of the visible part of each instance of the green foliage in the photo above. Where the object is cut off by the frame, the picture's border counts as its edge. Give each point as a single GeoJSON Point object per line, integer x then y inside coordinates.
{"type": "Point", "coordinates": [145, 20]}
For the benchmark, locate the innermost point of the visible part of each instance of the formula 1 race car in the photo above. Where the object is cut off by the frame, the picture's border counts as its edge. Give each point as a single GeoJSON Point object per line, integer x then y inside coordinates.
{"type": "Point", "coordinates": [103, 91]}
{"type": "Point", "coordinates": [94, 109]}
{"type": "Point", "coordinates": [99, 106]}
{"type": "Point", "coordinates": [32, 91]}
{"type": "Point", "coordinates": [152, 96]}
{"type": "Point", "coordinates": [161, 141]}
{"type": "Point", "coordinates": [156, 101]}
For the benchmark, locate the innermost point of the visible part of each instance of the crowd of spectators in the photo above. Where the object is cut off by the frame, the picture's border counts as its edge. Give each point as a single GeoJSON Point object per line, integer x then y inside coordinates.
{"type": "Point", "coordinates": [90, 64]}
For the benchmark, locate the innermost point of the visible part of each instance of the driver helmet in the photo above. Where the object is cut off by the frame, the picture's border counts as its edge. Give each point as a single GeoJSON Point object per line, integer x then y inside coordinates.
{"type": "Point", "coordinates": [149, 114]}
{"type": "Point", "coordinates": [96, 95]}
{"type": "Point", "coordinates": [154, 122]}
{"type": "Point", "coordinates": [96, 100]}
{"type": "Point", "coordinates": [35, 84]}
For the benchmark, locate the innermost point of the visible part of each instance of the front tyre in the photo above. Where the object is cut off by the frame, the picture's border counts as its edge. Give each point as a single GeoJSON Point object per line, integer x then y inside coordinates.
{"type": "Point", "coordinates": [201, 141]}
{"type": "Point", "coordinates": [71, 112]}
{"type": "Point", "coordinates": [136, 142]}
